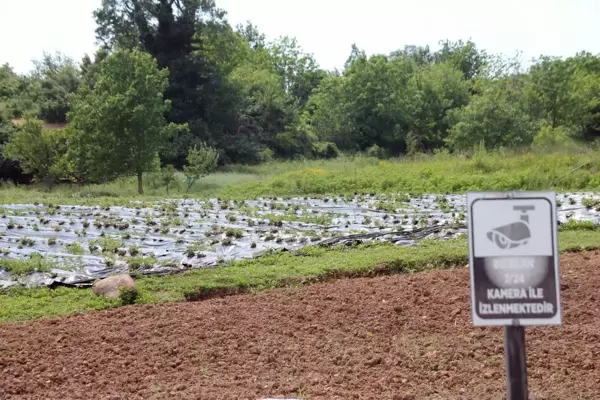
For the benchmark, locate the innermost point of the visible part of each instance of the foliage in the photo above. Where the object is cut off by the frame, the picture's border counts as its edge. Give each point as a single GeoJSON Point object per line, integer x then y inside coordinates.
{"type": "Point", "coordinates": [552, 138]}
{"type": "Point", "coordinates": [279, 269]}
{"type": "Point", "coordinates": [168, 177]}
{"type": "Point", "coordinates": [120, 122]}
{"type": "Point", "coordinates": [494, 118]}
{"type": "Point", "coordinates": [58, 77]}
{"type": "Point", "coordinates": [128, 296]}
{"type": "Point", "coordinates": [42, 153]}
{"type": "Point", "coordinates": [570, 169]}
{"type": "Point", "coordinates": [256, 100]}
{"type": "Point", "coordinates": [201, 161]}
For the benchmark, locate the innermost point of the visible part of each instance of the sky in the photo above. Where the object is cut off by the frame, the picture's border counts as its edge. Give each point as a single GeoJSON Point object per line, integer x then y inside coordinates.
{"type": "Point", "coordinates": [328, 28]}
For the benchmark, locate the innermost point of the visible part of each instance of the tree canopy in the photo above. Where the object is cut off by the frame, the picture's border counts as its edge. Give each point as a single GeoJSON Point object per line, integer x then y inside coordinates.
{"type": "Point", "coordinates": [120, 123]}
{"type": "Point", "coordinates": [251, 98]}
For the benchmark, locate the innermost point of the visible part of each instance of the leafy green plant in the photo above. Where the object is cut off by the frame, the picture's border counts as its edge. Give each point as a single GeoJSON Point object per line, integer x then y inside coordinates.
{"type": "Point", "coordinates": [232, 232]}
{"type": "Point", "coordinates": [75, 248]}
{"type": "Point", "coordinates": [35, 263]}
{"type": "Point", "coordinates": [201, 161]}
{"type": "Point", "coordinates": [128, 296]}
{"type": "Point", "coordinates": [168, 177]}
{"type": "Point", "coordinates": [136, 263]}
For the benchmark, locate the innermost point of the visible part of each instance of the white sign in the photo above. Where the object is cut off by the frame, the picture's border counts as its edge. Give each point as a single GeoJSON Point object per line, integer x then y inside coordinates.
{"type": "Point", "coordinates": [514, 261]}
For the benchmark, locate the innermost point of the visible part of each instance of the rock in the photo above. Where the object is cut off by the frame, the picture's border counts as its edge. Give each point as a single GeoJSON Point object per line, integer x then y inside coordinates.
{"type": "Point", "coordinates": [110, 287]}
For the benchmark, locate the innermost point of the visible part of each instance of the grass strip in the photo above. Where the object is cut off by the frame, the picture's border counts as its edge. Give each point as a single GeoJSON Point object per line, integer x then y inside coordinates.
{"type": "Point", "coordinates": [277, 270]}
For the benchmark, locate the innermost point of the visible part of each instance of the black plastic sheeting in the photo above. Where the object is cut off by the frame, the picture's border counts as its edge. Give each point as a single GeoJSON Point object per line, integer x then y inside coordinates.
{"type": "Point", "coordinates": [185, 234]}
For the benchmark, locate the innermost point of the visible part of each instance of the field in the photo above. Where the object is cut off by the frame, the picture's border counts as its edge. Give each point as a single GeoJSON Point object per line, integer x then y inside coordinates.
{"type": "Point", "coordinates": [399, 329]}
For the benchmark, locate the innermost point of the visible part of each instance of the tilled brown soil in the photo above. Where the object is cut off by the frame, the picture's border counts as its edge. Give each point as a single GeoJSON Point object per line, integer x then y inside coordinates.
{"type": "Point", "coordinates": [397, 337]}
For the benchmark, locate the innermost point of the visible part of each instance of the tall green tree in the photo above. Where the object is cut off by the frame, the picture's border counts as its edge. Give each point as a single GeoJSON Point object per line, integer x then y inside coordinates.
{"type": "Point", "coordinates": [549, 88]}
{"type": "Point", "coordinates": [120, 122]}
{"type": "Point", "coordinates": [172, 31]}
{"type": "Point", "coordinates": [9, 88]}
{"type": "Point", "coordinates": [370, 104]}
{"type": "Point", "coordinates": [465, 57]}
{"type": "Point", "coordinates": [439, 89]}
{"type": "Point", "coordinates": [495, 118]}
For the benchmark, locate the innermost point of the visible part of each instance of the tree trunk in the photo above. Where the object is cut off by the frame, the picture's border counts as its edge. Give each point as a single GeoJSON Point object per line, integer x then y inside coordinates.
{"type": "Point", "coordinates": [140, 186]}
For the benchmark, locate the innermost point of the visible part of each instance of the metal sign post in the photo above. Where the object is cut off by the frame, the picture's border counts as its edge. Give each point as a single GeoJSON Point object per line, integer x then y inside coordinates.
{"type": "Point", "coordinates": [514, 266]}
{"type": "Point", "coordinates": [516, 364]}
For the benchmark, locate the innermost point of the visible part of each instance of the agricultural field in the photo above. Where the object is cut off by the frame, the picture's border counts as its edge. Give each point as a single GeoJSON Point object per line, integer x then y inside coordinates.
{"type": "Point", "coordinates": [194, 251]}
{"type": "Point", "coordinates": [44, 245]}
{"type": "Point", "coordinates": [196, 209]}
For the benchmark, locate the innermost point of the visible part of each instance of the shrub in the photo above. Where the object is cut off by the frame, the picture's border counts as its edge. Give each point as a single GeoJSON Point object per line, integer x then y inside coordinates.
{"type": "Point", "coordinates": [201, 161]}
{"type": "Point", "coordinates": [376, 152]}
{"type": "Point", "coordinates": [326, 150]}
{"type": "Point", "coordinates": [128, 296]}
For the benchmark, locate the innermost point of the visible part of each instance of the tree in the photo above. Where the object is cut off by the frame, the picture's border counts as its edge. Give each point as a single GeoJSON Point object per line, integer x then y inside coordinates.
{"type": "Point", "coordinates": [58, 77]}
{"type": "Point", "coordinates": [252, 35]}
{"type": "Point", "coordinates": [494, 117]}
{"type": "Point", "coordinates": [549, 86]}
{"type": "Point", "coordinates": [121, 121]}
{"type": "Point", "coordinates": [41, 153]}
{"type": "Point", "coordinates": [201, 161]}
{"type": "Point", "coordinates": [355, 54]}
{"type": "Point", "coordinates": [372, 103]}
{"type": "Point", "coordinates": [291, 62]}
{"type": "Point", "coordinates": [422, 56]}
{"type": "Point", "coordinates": [463, 56]}
{"type": "Point", "coordinates": [439, 89]}
{"type": "Point", "coordinates": [172, 31]}
{"type": "Point", "coordinates": [168, 177]}
{"type": "Point", "coordinates": [264, 108]}
{"type": "Point", "coordinates": [9, 88]}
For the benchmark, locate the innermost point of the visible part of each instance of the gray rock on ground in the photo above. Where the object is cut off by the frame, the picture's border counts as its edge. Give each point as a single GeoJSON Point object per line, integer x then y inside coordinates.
{"type": "Point", "coordinates": [110, 287]}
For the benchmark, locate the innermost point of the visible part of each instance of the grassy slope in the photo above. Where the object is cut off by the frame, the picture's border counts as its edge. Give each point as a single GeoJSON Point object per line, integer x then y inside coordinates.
{"type": "Point", "coordinates": [440, 173]}
{"type": "Point", "coordinates": [435, 174]}
{"type": "Point", "coordinates": [281, 269]}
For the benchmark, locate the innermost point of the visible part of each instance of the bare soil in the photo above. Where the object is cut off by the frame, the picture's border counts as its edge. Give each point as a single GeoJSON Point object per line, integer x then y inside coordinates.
{"type": "Point", "coordinates": [393, 337]}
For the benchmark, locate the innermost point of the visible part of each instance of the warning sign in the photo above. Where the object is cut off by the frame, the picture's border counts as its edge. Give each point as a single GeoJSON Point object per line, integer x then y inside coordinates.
{"type": "Point", "coordinates": [513, 251]}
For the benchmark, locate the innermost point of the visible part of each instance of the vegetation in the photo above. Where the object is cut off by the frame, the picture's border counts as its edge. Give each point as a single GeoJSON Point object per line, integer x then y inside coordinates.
{"type": "Point", "coordinates": [165, 65]}
{"type": "Point", "coordinates": [440, 173]}
{"type": "Point", "coordinates": [174, 94]}
{"type": "Point", "coordinates": [276, 270]}
{"type": "Point", "coordinates": [35, 263]}
{"type": "Point", "coordinates": [120, 122]}
{"type": "Point", "coordinates": [201, 160]}
{"type": "Point", "coordinates": [562, 170]}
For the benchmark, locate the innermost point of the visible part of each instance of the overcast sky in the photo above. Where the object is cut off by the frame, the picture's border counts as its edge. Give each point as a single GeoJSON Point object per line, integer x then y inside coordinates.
{"type": "Point", "coordinates": [327, 28]}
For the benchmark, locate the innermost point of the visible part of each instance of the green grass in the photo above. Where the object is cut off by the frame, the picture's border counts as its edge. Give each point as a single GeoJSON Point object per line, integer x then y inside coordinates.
{"type": "Point", "coordinates": [118, 192]}
{"type": "Point", "coordinates": [276, 270]}
{"type": "Point", "coordinates": [441, 173]}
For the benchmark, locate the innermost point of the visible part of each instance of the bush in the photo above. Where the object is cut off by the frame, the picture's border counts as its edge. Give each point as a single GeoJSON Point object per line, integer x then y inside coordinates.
{"type": "Point", "coordinates": [168, 177]}
{"type": "Point", "coordinates": [266, 155]}
{"type": "Point", "coordinates": [326, 150]}
{"type": "Point", "coordinates": [128, 296]}
{"type": "Point", "coordinates": [550, 138]}
{"type": "Point", "coordinates": [375, 152]}
{"type": "Point", "coordinates": [201, 161]}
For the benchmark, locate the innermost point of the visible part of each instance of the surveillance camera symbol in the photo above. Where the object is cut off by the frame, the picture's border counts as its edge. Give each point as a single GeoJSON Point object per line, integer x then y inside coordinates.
{"type": "Point", "coordinates": [514, 234]}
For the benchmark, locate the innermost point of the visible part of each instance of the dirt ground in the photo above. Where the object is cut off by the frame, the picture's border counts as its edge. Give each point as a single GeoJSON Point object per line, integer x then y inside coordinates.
{"type": "Point", "coordinates": [398, 337]}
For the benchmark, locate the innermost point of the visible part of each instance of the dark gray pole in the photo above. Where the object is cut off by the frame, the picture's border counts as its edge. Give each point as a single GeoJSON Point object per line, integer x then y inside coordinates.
{"type": "Point", "coordinates": [516, 365]}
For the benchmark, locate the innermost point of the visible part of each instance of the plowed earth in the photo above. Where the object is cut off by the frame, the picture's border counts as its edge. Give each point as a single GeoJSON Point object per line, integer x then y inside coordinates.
{"type": "Point", "coordinates": [396, 337]}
